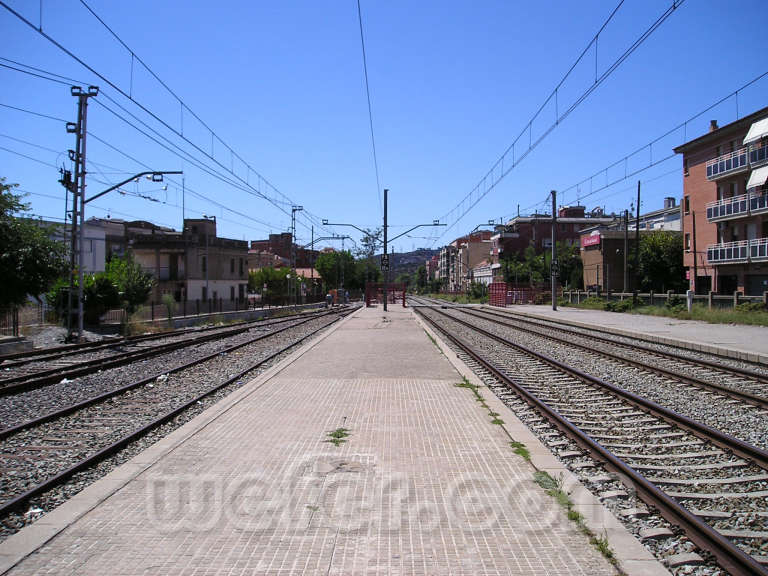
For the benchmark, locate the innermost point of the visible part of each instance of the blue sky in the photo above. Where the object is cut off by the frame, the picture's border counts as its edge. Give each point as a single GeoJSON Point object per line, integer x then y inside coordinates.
{"type": "Point", "coordinates": [452, 85]}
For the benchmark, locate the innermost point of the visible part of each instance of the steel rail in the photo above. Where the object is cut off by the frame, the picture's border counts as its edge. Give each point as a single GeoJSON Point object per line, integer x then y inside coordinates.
{"type": "Point", "coordinates": [54, 352]}
{"type": "Point", "coordinates": [753, 399]}
{"type": "Point", "coordinates": [739, 447]}
{"type": "Point", "coordinates": [730, 556]}
{"type": "Point", "coordinates": [6, 432]}
{"type": "Point", "coordinates": [61, 477]}
{"type": "Point", "coordinates": [640, 337]}
{"type": "Point", "coordinates": [24, 382]}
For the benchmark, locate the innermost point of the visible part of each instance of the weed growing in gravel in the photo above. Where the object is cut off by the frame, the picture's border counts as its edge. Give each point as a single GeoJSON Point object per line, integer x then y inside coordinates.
{"type": "Point", "coordinates": [554, 488]}
{"type": "Point", "coordinates": [338, 436]}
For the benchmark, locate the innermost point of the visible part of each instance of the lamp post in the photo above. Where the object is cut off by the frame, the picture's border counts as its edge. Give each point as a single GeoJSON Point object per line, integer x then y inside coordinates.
{"type": "Point", "coordinates": [386, 273]}
{"type": "Point", "coordinates": [294, 209]}
{"type": "Point", "coordinates": [154, 176]}
{"type": "Point", "coordinates": [207, 262]}
{"type": "Point", "coordinates": [374, 238]}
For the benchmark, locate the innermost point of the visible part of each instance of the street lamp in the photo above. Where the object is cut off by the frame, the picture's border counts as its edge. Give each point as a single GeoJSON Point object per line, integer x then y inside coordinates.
{"type": "Point", "coordinates": [386, 272]}
{"type": "Point", "coordinates": [155, 176]}
{"type": "Point", "coordinates": [294, 209]}
{"type": "Point", "coordinates": [207, 262]}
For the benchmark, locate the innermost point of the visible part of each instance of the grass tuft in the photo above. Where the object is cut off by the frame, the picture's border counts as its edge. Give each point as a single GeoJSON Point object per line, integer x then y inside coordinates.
{"type": "Point", "coordinates": [338, 436]}
{"type": "Point", "coordinates": [521, 450]}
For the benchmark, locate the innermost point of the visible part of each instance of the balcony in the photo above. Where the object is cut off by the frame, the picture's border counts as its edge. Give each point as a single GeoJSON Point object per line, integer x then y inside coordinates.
{"type": "Point", "coordinates": [753, 202]}
{"type": "Point", "coordinates": [738, 252]}
{"type": "Point", "coordinates": [758, 156]}
{"type": "Point", "coordinates": [727, 164]}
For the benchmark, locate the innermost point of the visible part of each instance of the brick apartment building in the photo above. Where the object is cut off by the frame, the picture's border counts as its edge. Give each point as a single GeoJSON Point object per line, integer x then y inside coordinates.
{"type": "Point", "coordinates": [602, 248]}
{"type": "Point", "coordinates": [460, 257]}
{"type": "Point", "coordinates": [280, 245]}
{"type": "Point", "coordinates": [536, 230]}
{"type": "Point", "coordinates": [725, 195]}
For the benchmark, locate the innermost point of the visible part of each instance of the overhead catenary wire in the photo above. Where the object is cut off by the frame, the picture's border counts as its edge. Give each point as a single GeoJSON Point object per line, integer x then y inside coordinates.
{"type": "Point", "coordinates": [681, 126]}
{"type": "Point", "coordinates": [370, 113]}
{"type": "Point", "coordinates": [314, 219]}
{"type": "Point", "coordinates": [183, 154]}
{"type": "Point", "coordinates": [502, 166]}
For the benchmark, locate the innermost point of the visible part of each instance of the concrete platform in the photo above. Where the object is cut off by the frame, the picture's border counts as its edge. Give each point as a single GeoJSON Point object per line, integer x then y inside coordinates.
{"type": "Point", "coordinates": [732, 340]}
{"type": "Point", "coordinates": [423, 484]}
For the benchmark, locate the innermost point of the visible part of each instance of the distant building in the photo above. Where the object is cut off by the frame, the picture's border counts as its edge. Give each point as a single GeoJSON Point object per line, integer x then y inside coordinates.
{"type": "Point", "coordinates": [536, 230]}
{"type": "Point", "coordinates": [668, 218]}
{"type": "Point", "coordinates": [482, 273]}
{"type": "Point", "coordinates": [725, 207]}
{"type": "Point", "coordinates": [94, 255]}
{"type": "Point", "coordinates": [194, 264]}
{"type": "Point", "coordinates": [458, 258]}
{"type": "Point", "coordinates": [601, 247]}
{"type": "Point", "coordinates": [280, 245]}
{"type": "Point", "coordinates": [432, 266]}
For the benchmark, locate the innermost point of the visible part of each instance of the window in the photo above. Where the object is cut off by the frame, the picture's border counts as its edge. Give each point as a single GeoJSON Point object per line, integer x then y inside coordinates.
{"type": "Point", "coordinates": [685, 166]}
{"type": "Point", "coordinates": [718, 150]}
{"type": "Point", "coordinates": [205, 293]}
{"type": "Point", "coordinates": [204, 264]}
{"type": "Point", "coordinates": [687, 242]}
{"type": "Point", "coordinates": [241, 266]}
{"type": "Point", "coordinates": [687, 204]}
{"type": "Point", "coordinates": [231, 265]}
{"type": "Point", "coordinates": [232, 292]}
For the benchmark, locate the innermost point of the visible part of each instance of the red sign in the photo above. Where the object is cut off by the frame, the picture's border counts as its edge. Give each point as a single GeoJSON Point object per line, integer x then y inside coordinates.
{"type": "Point", "coordinates": [592, 240]}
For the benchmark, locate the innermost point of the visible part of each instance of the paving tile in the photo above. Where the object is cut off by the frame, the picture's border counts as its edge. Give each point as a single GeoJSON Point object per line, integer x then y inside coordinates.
{"type": "Point", "coordinates": [424, 484]}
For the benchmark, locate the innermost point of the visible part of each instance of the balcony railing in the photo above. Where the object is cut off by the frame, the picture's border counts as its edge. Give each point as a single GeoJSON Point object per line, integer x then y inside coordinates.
{"type": "Point", "coordinates": [727, 164]}
{"type": "Point", "coordinates": [753, 202]}
{"type": "Point", "coordinates": [758, 155]}
{"type": "Point", "coordinates": [736, 252]}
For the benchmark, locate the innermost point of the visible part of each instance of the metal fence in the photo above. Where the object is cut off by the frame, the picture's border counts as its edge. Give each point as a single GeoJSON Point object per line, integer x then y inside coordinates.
{"type": "Point", "coordinates": [14, 321]}
{"type": "Point", "coordinates": [710, 300]}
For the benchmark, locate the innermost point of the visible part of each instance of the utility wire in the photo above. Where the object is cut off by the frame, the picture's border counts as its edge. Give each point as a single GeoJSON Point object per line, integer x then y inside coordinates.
{"type": "Point", "coordinates": [502, 166]}
{"type": "Point", "coordinates": [184, 155]}
{"type": "Point", "coordinates": [29, 157]}
{"type": "Point", "coordinates": [129, 96]}
{"type": "Point", "coordinates": [681, 126]}
{"type": "Point", "coordinates": [44, 74]}
{"type": "Point", "coordinates": [33, 113]}
{"type": "Point", "coordinates": [370, 113]}
{"type": "Point", "coordinates": [649, 146]}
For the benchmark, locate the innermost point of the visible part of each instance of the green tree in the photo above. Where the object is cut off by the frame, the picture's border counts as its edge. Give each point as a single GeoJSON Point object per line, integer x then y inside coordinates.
{"type": "Point", "coordinates": [274, 279]}
{"type": "Point", "coordinates": [30, 262]}
{"type": "Point", "coordinates": [421, 279]}
{"type": "Point", "coordinates": [366, 270]}
{"type": "Point", "coordinates": [99, 295]}
{"type": "Point", "coordinates": [330, 265]}
{"type": "Point", "coordinates": [661, 262]}
{"type": "Point", "coordinates": [571, 268]}
{"type": "Point", "coordinates": [133, 284]}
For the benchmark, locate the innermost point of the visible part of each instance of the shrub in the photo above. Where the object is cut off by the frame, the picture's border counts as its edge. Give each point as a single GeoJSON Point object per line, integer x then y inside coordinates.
{"type": "Point", "coordinates": [750, 307]}
{"type": "Point", "coordinates": [170, 305]}
{"type": "Point", "coordinates": [620, 306]}
{"type": "Point", "coordinates": [675, 302]}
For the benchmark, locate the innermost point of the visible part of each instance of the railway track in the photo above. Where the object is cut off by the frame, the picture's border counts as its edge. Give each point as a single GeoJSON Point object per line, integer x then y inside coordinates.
{"type": "Point", "coordinates": [711, 485]}
{"type": "Point", "coordinates": [43, 454]}
{"type": "Point", "coordinates": [749, 384]}
{"type": "Point", "coordinates": [35, 369]}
